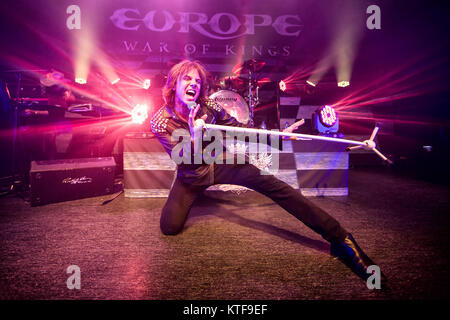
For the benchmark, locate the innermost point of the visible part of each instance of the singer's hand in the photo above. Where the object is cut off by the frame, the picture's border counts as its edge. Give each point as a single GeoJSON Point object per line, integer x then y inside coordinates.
{"type": "Point", "coordinates": [195, 130]}
{"type": "Point", "coordinates": [294, 126]}
{"type": "Point", "coordinates": [291, 129]}
{"type": "Point", "coordinates": [192, 115]}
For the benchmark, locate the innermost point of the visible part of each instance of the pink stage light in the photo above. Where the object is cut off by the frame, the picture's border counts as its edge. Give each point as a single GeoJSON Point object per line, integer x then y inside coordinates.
{"type": "Point", "coordinates": [146, 84]}
{"type": "Point", "coordinates": [343, 84]}
{"type": "Point", "coordinates": [139, 113]}
{"type": "Point", "coordinates": [80, 80]}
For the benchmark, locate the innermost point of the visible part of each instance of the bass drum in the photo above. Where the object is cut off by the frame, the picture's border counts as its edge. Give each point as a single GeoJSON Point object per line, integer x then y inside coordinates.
{"type": "Point", "coordinates": [233, 103]}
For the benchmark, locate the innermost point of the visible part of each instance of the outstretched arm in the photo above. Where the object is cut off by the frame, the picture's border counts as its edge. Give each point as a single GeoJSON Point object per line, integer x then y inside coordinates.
{"type": "Point", "coordinates": [292, 127]}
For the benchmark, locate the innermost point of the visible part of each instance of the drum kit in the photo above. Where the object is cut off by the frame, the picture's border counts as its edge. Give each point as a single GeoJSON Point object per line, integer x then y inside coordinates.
{"type": "Point", "coordinates": [237, 107]}
{"type": "Point", "coordinates": [246, 79]}
{"type": "Point", "coordinates": [239, 94]}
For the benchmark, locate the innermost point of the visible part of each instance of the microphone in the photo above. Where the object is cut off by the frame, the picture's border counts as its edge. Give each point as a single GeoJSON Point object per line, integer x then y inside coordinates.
{"type": "Point", "coordinates": [191, 105]}
{"type": "Point", "coordinates": [199, 123]}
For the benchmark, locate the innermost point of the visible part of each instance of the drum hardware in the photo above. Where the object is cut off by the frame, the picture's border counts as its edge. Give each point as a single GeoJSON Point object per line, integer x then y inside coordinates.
{"type": "Point", "coordinates": [251, 100]}
{"type": "Point", "coordinates": [251, 67]}
{"type": "Point", "coordinates": [244, 83]}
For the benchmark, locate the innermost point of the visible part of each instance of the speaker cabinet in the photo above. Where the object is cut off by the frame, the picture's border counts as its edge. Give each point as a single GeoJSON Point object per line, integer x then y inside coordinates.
{"type": "Point", "coordinates": [63, 180]}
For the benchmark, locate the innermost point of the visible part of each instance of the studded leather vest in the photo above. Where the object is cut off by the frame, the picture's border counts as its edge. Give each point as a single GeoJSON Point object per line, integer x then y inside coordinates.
{"type": "Point", "coordinates": [165, 124]}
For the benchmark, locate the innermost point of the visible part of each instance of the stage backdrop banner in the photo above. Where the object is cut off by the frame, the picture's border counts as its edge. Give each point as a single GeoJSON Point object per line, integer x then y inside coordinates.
{"type": "Point", "coordinates": [146, 35]}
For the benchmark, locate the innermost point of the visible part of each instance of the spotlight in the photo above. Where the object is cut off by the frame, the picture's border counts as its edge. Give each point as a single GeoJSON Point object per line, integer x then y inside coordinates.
{"type": "Point", "coordinates": [80, 80]}
{"type": "Point", "coordinates": [343, 84]}
{"type": "Point", "coordinates": [139, 113]}
{"type": "Point", "coordinates": [282, 85]}
{"type": "Point", "coordinates": [325, 120]}
{"type": "Point", "coordinates": [312, 84]}
{"type": "Point", "coordinates": [115, 81]}
{"type": "Point", "coordinates": [146, 84]}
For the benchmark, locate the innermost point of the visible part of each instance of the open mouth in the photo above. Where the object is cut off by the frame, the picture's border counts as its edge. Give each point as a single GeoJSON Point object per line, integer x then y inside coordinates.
{"type": "Point", "coordinates": [190, 92]}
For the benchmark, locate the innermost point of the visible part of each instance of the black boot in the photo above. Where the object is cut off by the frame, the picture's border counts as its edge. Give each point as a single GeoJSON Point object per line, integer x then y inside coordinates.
{"type": "Point", "coordinates": [352, 255]}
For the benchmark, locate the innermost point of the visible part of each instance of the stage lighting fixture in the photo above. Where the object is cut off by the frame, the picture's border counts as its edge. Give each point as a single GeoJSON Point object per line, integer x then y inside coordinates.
{"type": "Point", "coordinates": [326, 120]}
{"type": "Point", "coordinates": [139, 113]}
{"type": "Point", "coordinates": [80, 80]}
{"type": "Point", "coordinates": [343, 84]}
{"type": "Point", "coordinates": [311, 83]}
{"type": "Point", "coordinates": [282, 85]}
{"type": "Point", "coordinates": [146, 84]}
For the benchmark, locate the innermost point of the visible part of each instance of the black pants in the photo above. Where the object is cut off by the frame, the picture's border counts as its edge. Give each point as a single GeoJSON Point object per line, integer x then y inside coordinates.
{"type": "Point", "coordinates": [182, 196]}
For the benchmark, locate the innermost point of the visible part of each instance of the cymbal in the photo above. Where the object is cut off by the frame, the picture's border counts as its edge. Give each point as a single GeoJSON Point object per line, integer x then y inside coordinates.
{"type": "Point", "coordinates": [240, 83]}
{"type": "Point", "coordinates": [232, 82]}
{"type": "Point", "coordinates": [252, 65]}
{"type": "Point", "coordinates": [52, 78]}
{"type": "Point", "coordinates": [233, 103]}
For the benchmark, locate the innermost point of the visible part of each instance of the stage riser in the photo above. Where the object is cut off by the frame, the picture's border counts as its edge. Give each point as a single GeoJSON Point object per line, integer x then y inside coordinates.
{"type": "Point", "coordinates": [317, 168]}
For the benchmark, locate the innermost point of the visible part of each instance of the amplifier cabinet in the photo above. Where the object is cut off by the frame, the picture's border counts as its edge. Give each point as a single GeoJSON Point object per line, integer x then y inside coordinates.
{"type": "Point", "coordinates": [70, 179]}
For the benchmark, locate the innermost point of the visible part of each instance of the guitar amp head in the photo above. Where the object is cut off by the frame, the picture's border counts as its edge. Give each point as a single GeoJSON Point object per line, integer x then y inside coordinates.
{"type": "Point", "coordinates": [63, 180]}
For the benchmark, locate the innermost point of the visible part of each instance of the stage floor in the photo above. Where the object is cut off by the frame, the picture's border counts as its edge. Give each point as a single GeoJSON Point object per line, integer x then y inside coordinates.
{"type": "Point", "coordinates": [233, 246]}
